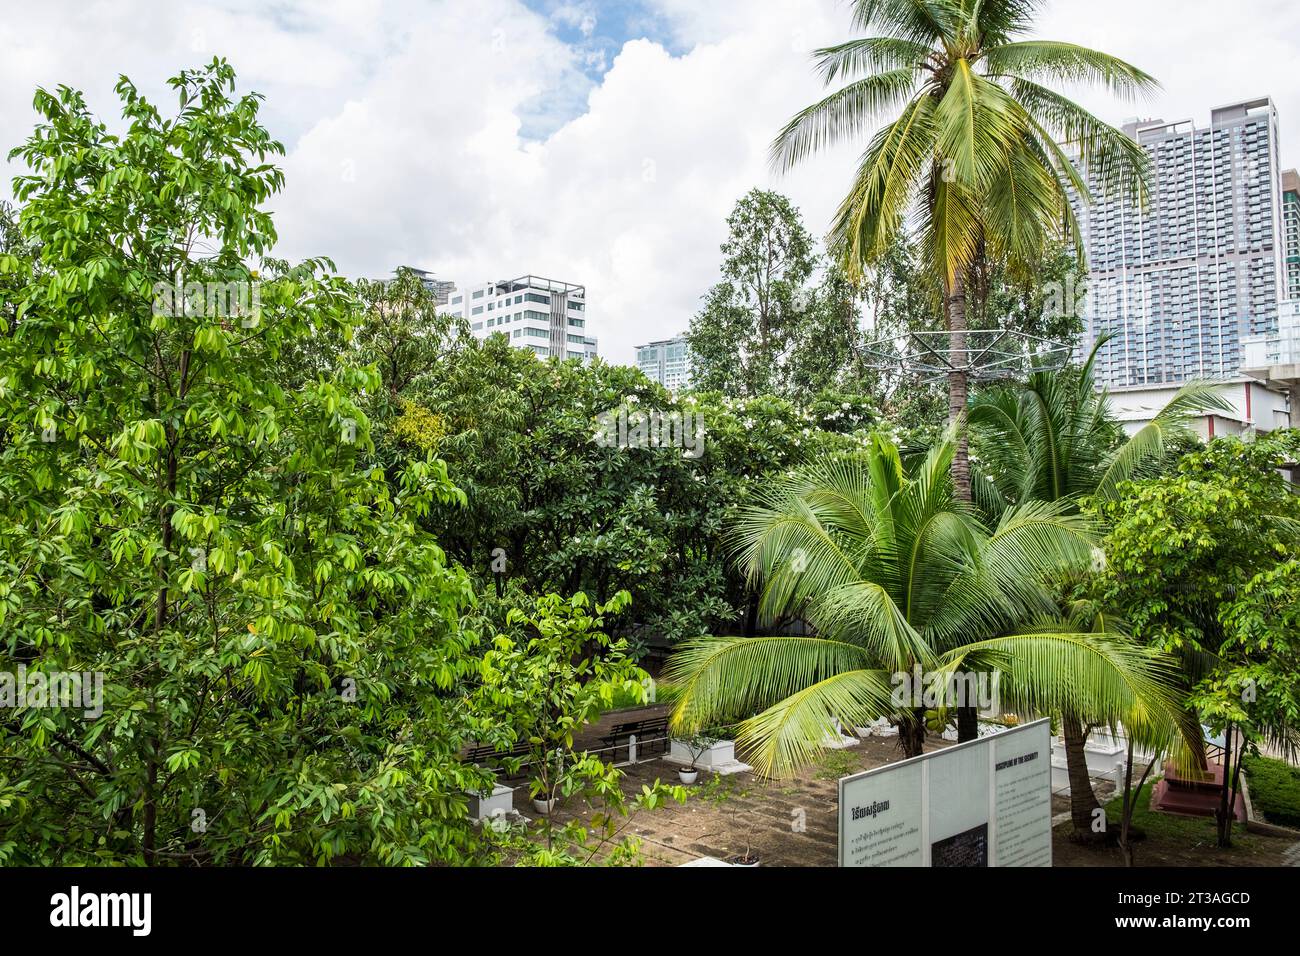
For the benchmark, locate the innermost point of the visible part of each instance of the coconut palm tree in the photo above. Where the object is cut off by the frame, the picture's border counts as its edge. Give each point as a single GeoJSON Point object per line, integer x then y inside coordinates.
{"type": "Point", "coordinates": [976, 146]}
{"type": "Point", "coordinates": [897, 575]}
{"type": "Point", "coordinates": [1053, 439]}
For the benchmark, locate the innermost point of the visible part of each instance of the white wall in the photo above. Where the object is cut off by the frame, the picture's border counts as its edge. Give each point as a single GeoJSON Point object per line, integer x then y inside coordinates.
{"type": "Point", "coordinates": [1254, 406]}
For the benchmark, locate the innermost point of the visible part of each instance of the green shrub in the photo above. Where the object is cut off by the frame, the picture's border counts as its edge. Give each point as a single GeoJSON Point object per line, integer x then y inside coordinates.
{"type": "Point", "coordinates": [1274, 790]}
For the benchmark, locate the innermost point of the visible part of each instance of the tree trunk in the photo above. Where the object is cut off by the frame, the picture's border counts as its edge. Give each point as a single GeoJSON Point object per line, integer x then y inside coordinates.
{"type": "Point", "coordinates": [1227, 793]}
{"type": "Point", "coordinates": [968, 725]}
{"type": "Point", "coordinates": [1083, 802]}
{"type": "Point", "coordinates": [751, 616]}
{"type": "Point", "coordinates": [1126, 808]}
{"type": "Point", "coordinates": [911, 732]}
{"type": "Point", "coordinates": [958, 384]}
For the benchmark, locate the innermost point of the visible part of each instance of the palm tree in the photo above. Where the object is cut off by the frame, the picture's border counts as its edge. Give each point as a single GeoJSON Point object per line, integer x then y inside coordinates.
{"type": "Point", "coordinates": [981, 151]}
{"type": "Point", "coordinates": [1053, 439]}
{"type": "Point", "coordinates": [897, 574]}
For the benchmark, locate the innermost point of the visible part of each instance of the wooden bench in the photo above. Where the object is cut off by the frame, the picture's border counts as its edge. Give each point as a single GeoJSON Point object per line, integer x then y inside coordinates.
{"type": "Point", "coordinates": [651, 737]}
{"type": "Point", "coordinates": [493, 757]}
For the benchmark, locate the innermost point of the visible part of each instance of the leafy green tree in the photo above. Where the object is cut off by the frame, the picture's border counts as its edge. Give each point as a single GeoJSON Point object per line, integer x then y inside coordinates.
{"type": "Point", "coordinates": [897, 574]}
{"type": "Point", "coordinates": [557, 670]}
{"type": "Point", "coordinates": [1256, 685]}
{"type": "Point", "coordinates": [974, 148]}
{"type": "Point", "coordinates": [403, 333]}
{"type": "Point", "coordinates": [551, 510]}
{"type": "Point", "coordinates": [199, 525]}
{"type": "Point", "coordinates": [1193, 561]}
{"type": "Point", "coordinates": [765, 328]}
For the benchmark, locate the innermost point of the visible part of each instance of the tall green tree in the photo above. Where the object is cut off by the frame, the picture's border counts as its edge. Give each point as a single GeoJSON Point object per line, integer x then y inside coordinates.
{"type": "Point", "coordinates": [403, 333]}
{"type": "Point", "coordinates": [771, 326]}
{"type": "Point", "coordinates": [200, 527]}
{"type": "Point", "coordinates": [550, 509]}
{"type": "Point", "coordinates": [975, 151]}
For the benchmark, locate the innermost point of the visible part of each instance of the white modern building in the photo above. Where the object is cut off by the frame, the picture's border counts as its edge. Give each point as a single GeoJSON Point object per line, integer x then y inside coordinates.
{"type": "Point", "coordinates": [1181, 282]}
{"type": "Point", "coordinates": [1256, 407]}
{"type": "Point", "coordinates": [1273, 359]}
{"type": "Point", "coordinates": [667, 362]}
{"type": "Point", "coordinates": [544, 315]}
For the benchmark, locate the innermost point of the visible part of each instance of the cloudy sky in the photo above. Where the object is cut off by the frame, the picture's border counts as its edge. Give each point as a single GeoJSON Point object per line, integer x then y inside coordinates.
{"type": "Point", "coordinates": [597, 142]}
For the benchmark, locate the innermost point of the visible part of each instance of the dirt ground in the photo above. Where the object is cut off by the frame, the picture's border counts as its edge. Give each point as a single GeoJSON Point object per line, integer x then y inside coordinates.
{"type": "Point", "coordinates": [794, 822]}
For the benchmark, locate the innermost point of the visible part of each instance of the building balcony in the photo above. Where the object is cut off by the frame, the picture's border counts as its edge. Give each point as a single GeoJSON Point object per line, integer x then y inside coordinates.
{"type": "Point", "coordinates": [1274, 348]}
{"type": "Point", "coordinates": [1275, 356]}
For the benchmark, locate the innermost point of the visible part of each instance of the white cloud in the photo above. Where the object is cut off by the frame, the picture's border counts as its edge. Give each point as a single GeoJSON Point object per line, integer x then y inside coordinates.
{"type": "Point", "coordinates": [582, 17]}
{"type": "Point", "coordinates": [411, 126]}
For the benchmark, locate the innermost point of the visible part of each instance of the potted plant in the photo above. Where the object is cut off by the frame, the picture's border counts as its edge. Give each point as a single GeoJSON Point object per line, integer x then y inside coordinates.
{"type": "Point", "coordinates": [749, 857]}
{"type": "Point", "coordinates": [548, 784]}
{"type": "Point", "coordinates": [696, 744]}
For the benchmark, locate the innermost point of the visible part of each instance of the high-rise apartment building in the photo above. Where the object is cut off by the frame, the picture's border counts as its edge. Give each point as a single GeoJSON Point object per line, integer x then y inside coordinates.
{"type": "Point", "coordinates": [545, 315]}
{"type": "Point", "coordinates": [667, 362]}
{"type": "Point", "coordinates": [1291, 232]}
{"type": "Point", "coordinates": [1183, 281]}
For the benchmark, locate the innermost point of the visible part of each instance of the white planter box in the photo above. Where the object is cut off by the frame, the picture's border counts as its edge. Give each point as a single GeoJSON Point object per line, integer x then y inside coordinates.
{"type": "Point", "coordinates": [722, 753]}
{"type": "Point", "coordinates": [705, 861]}
{"type": "Point", "coordinates": [877, 728]}
{"type": "Point", "coordinates": [483, 806]}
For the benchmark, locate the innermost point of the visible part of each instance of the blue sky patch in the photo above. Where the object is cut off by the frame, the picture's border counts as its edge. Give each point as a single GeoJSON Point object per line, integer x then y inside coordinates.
{"type": "Point", "coordinates": [596, 31]}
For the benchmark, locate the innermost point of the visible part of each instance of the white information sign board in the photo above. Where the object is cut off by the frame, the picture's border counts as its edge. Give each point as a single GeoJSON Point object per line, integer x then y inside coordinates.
{"type": "Point", "coordinates": [986, 802]}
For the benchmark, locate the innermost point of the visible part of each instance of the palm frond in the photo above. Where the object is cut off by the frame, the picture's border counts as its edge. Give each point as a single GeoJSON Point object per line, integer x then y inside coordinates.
{"type": "Point", "coordinates": [791, 733]}
{"type": "Point", "coordinates": [845, 113]}
{"type": "Point", "coordinates": [717, 679]}
{"type": "Point", "coordinates": [1118, 163]}
{"type": "Point", "coordinates": [888, 177]}
{"type": "Point", "coordinates": [920, 21]}
{"type": "Point", "coordinates": [869, 54]}
{"type": "Point", "coordinates": [1068, 63]}
{"type": "Point", "coordinates": [1105, 678]}
{"type": "Point", "coordinates": [1150, 441]}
